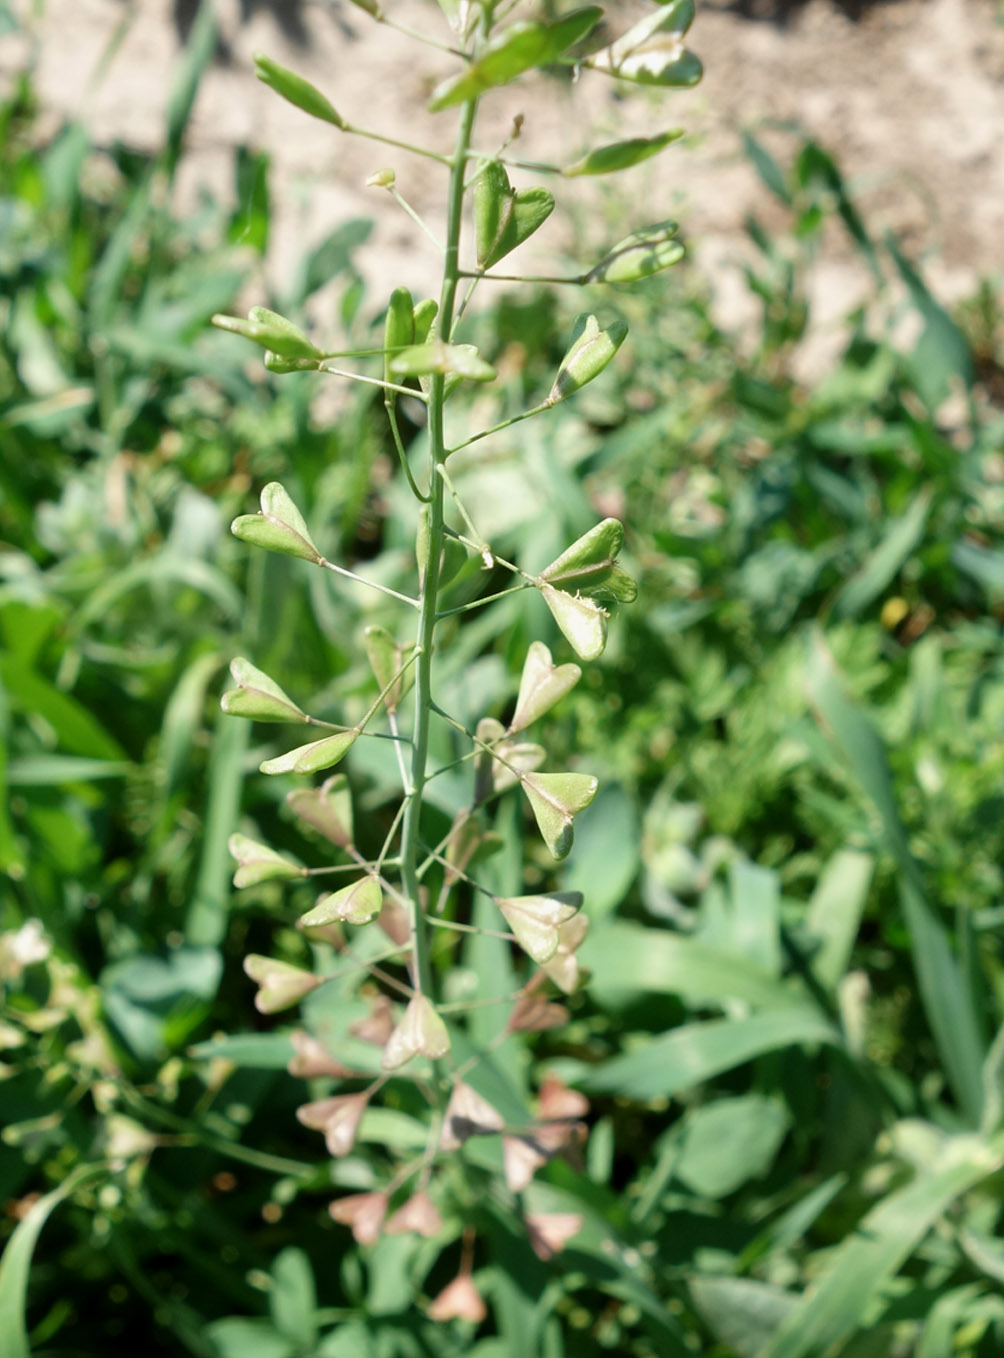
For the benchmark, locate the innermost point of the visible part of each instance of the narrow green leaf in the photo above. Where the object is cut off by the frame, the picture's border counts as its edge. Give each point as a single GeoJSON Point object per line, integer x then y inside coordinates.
{"type": "Point", "coordinates": [835, 911]}
{"type": "Point", "coordinates": [901, 538]}
{"type": "Point", "coordinates": [698, 1052]}
{"type": "Point", "coordinates": [16, 1262]}
{"type": "Point", "coordinates": [862, 1265]}
{"type": "Point", "coordinates": [518, 48]}
{"type": "Point", "coordinates": [621, 155]}
{"type": "Point", "coordinates": [188, 75]}
{"type": "Point", "coordinates": [319, 754]}
{"type": "Point", "coordinates": [296, 90]}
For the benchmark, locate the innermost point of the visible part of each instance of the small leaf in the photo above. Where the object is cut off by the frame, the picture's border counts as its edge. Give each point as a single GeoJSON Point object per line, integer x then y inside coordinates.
{"type": "Point", "coordinates": [583, 621]}
{"type": "Point", "coordinates": [280, 985]}
{"type": "Point", "coordinates": [257, 696]}
{"type": "Point", "coordinates": [588, 565]}
{"type": "Point", "coordinates": [644, 252]}
{"type": "Point", "coordinates": [279, 526]}
{"type": "Point", "coordinates": [590, 352]}
{"type": "Point", "coordinates": [652, 52]}
{"type": "Point", "coordinates": [387, 657]}
{"type": "Point", "coordinates": [503, 218]}
{"type": "Point", "coordinates": [259, 863]}
{"type": "Point", "coordinates": [273, 332]}
{"type": "Point", "coordinates": [461, 360]}
{"type": "Point", "coordinates": [357, 903]}
{"type": "Point", "coordinates": [319, 754]}
{"type": "Point", "coordinates": [467, 1114]}
{"type": "Point", "coordinates": [621, 155]}
{"type": "Point", "coordinates": [541, 685]}
{"type": "Point", "coordinates": [337, 1117]}
{"type": "Point", "coordinates": [421, 1032]}
{"type": "Point", "coordinates": [535, 919]}
{"type": "Point", "coordinates": [555, 798]}
{"type": "Point", "coordinates": [296, 90]}
{"type": "Point", "coordinates": [518, 48]}
{"type": "Point", "coordinates": [327, 809]}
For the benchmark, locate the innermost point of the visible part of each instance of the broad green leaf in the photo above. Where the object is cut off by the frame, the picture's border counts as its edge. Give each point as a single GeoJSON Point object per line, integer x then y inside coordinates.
{"type": "Point", "coordinates": [296, 90]}
{"type": "Point", "coordinates": [652, 52]}
{"type": "Point", "coordinates": [901, 538]}
{"type": "Point", "coordinates": [535, 920]}
{"type": "Point", "coordinates": [271, 331]}
{"type": "Point", "coordinates": [621, 155]}
{"type": "Point", "coordinates": [257, 696]}
{"type": "Point", "coordinates": [235, 1337]}
{"type": "Point", "coordinates": [327, 809]}
{"type": "Point", "coordinates": [292, 1299]}
{"type": "Point", "coordinates": [642, 253]}
{"type": "Point", "coordinates": [582, 621]}
{"type": "Point", "coordinates": [319, 754]}
{"type": "Point", "coordinates": [860, 1267]}
{"type": "Point", "coordinates": [698, 1052]}
{"type": "Point", "coordinates": [357, 903]}
{"type": "Point", "coordinates": [729, 1141]}
{"type": "Point", "coordinates": [503, 218]}
{"type": "Point", "coordinates": [278, 527]}
{"type": "Point", "coordinates": [280, 985]}
{"type": "Point", "coordinates": [555, 798]}
{"type": "Point", "coordinates": [518, 48]}
{"type": "Point", "coordinates": [943, 983]}
{"type": "Point", "coordinates": [541, 685]}
{"type": "Point", "coordinates": [742, 1313]}
{"type": "Point", "coordinates": [460, 360]}
{"type": "Point", "coordinates": [628, 959]}
{"type": "Point", "coordinates": [589, 566]}
{"type": "Point", "coordinates": [259, 863]}
{"type": "Point", "coordinates": [590, 352]}
{"type": "Point", "coordinates": [608, 856]}
{"type": "Point", "coordinates": [15, 1262]}
{"type": "Point", "coordinates": [755, 922]}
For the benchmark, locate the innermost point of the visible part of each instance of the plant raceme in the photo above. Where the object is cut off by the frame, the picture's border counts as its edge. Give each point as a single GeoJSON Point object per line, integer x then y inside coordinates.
{"type": "Point", "coordinates": [425, 358]}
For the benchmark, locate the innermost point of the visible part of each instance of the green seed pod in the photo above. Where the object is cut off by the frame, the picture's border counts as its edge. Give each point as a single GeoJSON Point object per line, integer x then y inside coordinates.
{"type": "Point", "coordinates": [590, 352]}
{"type": "Point", "coordinates": [273, 332]}
{"type": "Point", "coordinates": [295, 90]}
{"type": "Point", "coordinates": [279, 527]}
{"type": "Point", "coordinates": [398, 330]}
{"type": "Point", "coordinates": [639, 255]}
{"type": "Point", "coordinates": [424, 314]}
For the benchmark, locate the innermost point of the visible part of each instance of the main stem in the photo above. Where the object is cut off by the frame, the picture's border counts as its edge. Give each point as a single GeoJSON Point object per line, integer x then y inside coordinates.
{"type": "Point", "coordinates": [410, 833]}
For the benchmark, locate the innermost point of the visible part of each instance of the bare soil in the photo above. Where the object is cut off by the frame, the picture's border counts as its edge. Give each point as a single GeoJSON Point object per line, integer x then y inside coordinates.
{"type": "Point", "coordinates": [907, 94]}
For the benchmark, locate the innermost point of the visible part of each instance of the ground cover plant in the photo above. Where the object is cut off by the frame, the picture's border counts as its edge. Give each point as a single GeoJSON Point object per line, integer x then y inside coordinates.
{"type": "Point", "coordinates": [787, 1039]}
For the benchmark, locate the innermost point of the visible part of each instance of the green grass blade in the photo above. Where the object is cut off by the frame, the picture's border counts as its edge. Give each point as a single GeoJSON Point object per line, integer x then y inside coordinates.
{"type": "Point", "coordinates": [16, 1263]}
{"type": "Point", "coordinates": [207, 915]}
{"type": "Point", "coordinates": [947, 997]}
{"type": "Point", "coordinates": [834, 1307]}
{"type": "Point", "coordinates": [835, 910]}
{"type": "Point", "coordinates": [878, 571]}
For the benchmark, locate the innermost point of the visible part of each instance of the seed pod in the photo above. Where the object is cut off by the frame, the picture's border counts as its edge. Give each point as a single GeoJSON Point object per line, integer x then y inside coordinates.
{"type": "Point", "coordinates": [590, 352]}
{"type": "Point", "coordinates": [295, 90]}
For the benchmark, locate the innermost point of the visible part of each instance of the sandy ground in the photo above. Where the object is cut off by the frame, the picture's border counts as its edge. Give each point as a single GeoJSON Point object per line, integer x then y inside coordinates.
{"type": "Point", "coordinates": [909, 97]}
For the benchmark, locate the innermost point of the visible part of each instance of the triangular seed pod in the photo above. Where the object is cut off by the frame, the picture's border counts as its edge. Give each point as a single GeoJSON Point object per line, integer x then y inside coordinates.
{"type": "Point", "coordinates": [419, 1215]}
{"type": "Point", "coordinates": [257, 696]}
{"type": "Point", "coordinates": [521, 1158]}
{"type": "Point", "coordinates": [357, 903]}
{"type": "Point", "coordinates": [364, 1212]}
{"type": "Point", "coordinates": [280, 985]}
{"type": "Point", "coordinates": [467, 1114]}
{"type": "Point", "coordinates": [435, 356]}
{"type": "Point", "coordinates": [273, 332]}
{"type": "Point", "coordinates": [319, 754]}
{"type": "Point", "coordinates": [503, 218]}
{"type": "Point", "coordinates": [550, 1232]}
{"type": "Point", "coordinates": [279, 527]}
{"type": "Point", "coordinates": [386, 657]}
{"type": "Point", "coordinates": [555, 799]}
{"type": "Point", "coordinates": [563, 967]}
{"type": "Point", "coordinates": [310, 1059]}
{"type": "Point", "coordinates": [421, 1032]}
{"type": "Point", "coordinates": [337, 1117]}
{"type": "Point", "coordinates": [258, 863]}
{"type": "Point", "coordinates": [459, 1300]}
{"type": "Point", "coordinates": [639, 255]}
{"type": "Point", "coordinates": [535, 919]}
{"type": "Point", "coordinates": [582, 621]}
{"type": "Point", "coordinates": [652, 52]}
{"type": "Point", "coordinates": [590, 352]}
{"type": "Point", "coordinates": [621, 155]}
{"type": "Point", "coordinates": [541, 685]}
{"type": "Point", "coordinates": [587, 564]}
{"type": "Point", "coordinates": [327, 809]}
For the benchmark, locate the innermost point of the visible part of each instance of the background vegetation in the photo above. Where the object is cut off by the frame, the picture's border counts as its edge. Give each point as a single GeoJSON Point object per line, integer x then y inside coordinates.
{"type": "Point", "coordinates": [791, 1037]}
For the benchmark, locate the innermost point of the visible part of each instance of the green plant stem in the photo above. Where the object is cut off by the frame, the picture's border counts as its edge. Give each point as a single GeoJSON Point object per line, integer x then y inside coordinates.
{"type": "Point", "coordinates": [410, 834]}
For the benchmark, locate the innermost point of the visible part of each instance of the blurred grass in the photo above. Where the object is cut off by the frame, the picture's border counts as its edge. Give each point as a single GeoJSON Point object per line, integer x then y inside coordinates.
{"type": "Point", "coordinates": [793, 873]}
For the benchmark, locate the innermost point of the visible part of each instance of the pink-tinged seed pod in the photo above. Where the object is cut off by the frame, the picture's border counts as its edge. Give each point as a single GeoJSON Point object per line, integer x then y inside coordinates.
{"type": "Point", "coordinates": [459, 1300]}
{"type": "Point", "coordinates": [364, 1213]}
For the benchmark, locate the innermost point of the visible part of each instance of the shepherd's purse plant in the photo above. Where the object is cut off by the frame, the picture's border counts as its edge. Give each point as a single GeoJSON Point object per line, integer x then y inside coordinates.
{"type": "Point", "coordinates": [393, 924]}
